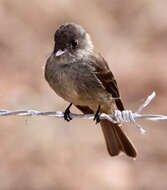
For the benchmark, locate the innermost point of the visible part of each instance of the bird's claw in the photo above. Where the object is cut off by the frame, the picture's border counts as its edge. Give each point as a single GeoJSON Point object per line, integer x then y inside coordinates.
{"type": "Point", "coordinates": [67, 112]}
{"type": "Point", "coordinates": [97, 115]}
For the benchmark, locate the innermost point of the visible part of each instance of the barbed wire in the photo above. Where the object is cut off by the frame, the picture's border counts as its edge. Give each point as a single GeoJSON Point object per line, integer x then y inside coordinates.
{"type": "Point", "coordinates": [117, 117]}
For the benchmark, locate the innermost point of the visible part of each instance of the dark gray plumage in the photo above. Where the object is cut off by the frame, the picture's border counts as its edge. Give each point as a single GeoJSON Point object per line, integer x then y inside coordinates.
{"type": "Point", "coordinates": [80, 75]}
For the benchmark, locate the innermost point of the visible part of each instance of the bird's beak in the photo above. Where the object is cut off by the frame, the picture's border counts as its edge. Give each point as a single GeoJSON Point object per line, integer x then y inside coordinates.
{"type": "Point", "coordinates": [59, 52]}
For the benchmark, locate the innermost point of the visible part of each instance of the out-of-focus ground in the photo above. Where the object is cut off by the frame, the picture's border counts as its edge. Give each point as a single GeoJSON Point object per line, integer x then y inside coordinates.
{"type": "Point", "coordinates": [49, 153]}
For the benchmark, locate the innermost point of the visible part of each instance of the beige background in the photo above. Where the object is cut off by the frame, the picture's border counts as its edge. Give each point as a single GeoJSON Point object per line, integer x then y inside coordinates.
{"type": "Point", "coordinates": [42, 153]}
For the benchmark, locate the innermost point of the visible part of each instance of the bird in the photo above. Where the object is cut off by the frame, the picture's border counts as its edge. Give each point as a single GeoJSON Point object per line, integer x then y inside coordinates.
{"type": "Point", "coordinates": [79, 74]}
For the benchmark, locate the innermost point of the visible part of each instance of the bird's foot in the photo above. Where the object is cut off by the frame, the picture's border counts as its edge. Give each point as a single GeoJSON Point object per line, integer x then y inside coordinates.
{"type": "Point", "coordinates": [97, 115]}
{"type": "Point", "coordinates": [67, 112]}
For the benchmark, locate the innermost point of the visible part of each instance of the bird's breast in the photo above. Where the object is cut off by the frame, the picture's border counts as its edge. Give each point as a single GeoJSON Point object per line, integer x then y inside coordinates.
{"type": "Point", "coordinates": [59, 80]}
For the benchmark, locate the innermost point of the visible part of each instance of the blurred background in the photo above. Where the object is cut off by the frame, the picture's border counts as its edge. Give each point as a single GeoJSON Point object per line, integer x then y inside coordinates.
{"type": "Point", "coordinates": [40, 153]}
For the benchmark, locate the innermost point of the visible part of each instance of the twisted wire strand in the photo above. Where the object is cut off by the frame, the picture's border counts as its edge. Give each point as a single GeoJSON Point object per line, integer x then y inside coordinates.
{"type": "Point", "coordinates": [117, 117]}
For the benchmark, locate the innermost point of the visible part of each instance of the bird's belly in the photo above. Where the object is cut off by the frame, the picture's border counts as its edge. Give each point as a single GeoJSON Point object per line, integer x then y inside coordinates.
{"type": "Point", "coordinates": [65, 89]}
{"type": "Point", "coordinates": [80, 96]}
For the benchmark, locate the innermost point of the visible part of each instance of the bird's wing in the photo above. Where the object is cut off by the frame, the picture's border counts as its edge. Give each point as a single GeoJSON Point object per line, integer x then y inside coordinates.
{"type": "Point", "coordinates": [110, 85]}
{"type": "Point", "coordinates": [103, 73]}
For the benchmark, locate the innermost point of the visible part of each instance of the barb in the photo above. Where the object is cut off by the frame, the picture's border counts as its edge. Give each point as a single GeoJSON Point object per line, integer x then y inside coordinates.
{"type": "Point", "coordinates": [117, 117]}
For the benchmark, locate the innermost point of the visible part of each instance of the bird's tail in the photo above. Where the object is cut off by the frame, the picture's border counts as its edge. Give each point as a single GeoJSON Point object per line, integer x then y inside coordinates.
{"type": "Point", "coordinates": [116, 140]}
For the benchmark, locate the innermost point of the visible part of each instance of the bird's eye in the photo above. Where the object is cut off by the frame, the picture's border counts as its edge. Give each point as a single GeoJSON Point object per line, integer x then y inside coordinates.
{"type": "Point", "coordinates": [74, 44]}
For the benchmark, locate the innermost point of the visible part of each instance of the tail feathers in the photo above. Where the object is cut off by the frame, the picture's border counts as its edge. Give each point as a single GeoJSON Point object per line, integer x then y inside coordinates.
{"type": "Point", "coordinates": [116, 140]}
